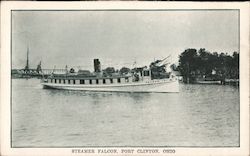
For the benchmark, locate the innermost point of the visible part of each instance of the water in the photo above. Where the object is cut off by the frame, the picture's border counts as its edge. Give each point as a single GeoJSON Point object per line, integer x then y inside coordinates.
{"type": "Point", "coordinates": [200, 115]}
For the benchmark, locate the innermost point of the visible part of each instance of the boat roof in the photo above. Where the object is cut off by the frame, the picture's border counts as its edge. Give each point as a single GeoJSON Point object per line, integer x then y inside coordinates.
{"type": "Point", "coordinates": [82, 77]}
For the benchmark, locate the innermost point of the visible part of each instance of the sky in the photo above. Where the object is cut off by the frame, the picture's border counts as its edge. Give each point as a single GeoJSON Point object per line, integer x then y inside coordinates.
{"type": "Point", "coordinates": [118, 38]}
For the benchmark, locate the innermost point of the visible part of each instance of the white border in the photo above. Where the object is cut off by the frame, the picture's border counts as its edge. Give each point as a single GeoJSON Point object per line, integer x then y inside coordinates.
{"type": "Point", "coordinates": [5, 69]}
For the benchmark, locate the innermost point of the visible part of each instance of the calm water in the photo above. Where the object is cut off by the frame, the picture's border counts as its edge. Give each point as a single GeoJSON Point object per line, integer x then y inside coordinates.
{"type": "Point", "coordinates": [200, 115]}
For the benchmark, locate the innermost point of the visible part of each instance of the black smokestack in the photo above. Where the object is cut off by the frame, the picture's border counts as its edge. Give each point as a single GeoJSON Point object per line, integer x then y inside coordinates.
{"type": "Point", "coordinates": [97, 65]}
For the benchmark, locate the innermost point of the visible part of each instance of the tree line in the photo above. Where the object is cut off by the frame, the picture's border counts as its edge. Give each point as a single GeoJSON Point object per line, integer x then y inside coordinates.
{"type": "Point", "coordinates": [203, 64]}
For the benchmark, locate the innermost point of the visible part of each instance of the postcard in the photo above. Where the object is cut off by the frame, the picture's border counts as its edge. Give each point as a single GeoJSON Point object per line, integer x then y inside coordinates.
{"type": "Point", "coordinates": [125, 78]}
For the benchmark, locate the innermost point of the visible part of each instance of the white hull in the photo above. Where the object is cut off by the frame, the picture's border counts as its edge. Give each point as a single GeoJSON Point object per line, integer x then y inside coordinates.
{"type": "Point", "coordinates": [162, 86]}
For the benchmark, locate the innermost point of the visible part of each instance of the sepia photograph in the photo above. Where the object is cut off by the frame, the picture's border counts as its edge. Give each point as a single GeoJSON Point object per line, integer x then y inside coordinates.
{"type": "Point", "coordinates": [125, 78]}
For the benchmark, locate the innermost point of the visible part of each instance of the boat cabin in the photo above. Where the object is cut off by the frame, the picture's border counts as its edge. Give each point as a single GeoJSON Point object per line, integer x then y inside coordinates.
{"type": "Point", "coordinates": [140, 76]}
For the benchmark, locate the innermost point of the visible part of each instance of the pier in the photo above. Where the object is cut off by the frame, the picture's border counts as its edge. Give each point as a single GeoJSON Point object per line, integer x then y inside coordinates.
{"type": "Point", "coordinates": [24, 73]}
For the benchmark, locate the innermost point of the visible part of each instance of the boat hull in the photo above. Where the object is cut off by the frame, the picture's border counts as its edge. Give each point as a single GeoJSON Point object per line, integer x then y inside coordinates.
{"type": "Point", "coordinates": [159, 86]}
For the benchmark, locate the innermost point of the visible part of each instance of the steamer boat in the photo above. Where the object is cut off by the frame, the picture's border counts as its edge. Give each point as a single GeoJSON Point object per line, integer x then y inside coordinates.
{"type": "Point", "coordinates": [137, 80]}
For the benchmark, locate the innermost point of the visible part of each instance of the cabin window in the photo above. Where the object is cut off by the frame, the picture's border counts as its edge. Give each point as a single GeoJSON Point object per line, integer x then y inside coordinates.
{"type": "Point", "coordinates": [82, 82]}
{"type": "Point", "coordinates": [119, 80]}
{"type": "Point", "coordinates": [146, 73]}
{"type": "Point", "coordinates": [59, 80]}
{"type": "Point", "coordinates": [126, 79]}
{"type": "Point", "coordinates": [97, 81]}
{"type": "Point", "coordinates": [55, 80]}
{"type": "Point", "coordinates": [64, 81]}
{"type": "Point", "coordinates": [111, 80]}
{"type": "Point", "coordinates": [68, 81]}
{"type": "Point", "coordinates": [103, 81]}
{"type": "Point", "coordinates": [90, 81]}
{"type": "Point", "coordinates": [74, 81]}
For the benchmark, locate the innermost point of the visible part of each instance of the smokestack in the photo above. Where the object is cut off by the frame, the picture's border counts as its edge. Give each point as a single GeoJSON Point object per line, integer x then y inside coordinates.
{"type": "Point", "coordinates": [97, 66]}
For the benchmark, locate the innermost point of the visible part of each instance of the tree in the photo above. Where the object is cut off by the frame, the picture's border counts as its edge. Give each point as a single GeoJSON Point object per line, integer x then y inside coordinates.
{"type": "Point", "coordinates": [188, 64]}
{"type": "Point", "coordinates": [235, 64]}
{"type": "Point", "coordinates": [193, 65]}
{"type": "Point", "coordinates": [108, 71]}
{"type": "Point", "coordinates": [124, 70]}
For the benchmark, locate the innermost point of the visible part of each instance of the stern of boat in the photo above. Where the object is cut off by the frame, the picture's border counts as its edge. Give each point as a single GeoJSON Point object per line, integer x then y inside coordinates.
{"type": "Point", "coordinates": [169, 87]}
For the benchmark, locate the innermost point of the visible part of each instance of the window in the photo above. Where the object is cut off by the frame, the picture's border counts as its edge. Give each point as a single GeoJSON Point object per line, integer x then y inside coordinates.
{"type": "Point", "coordinates": [82, 82]}
{"type": "Point", "coordinates": [68, 81]}
{"type": "Point", "coordinates": [74, 81]}
{"type": "Point", "coordinates": [111, 80]}
{"type": "Point", "coordinates": [104, 81]}
{"type": "Point", "coordinates": [126, 79]}
{"type": "Point", "coordinates": [55, 80]}
{"type": "Point", "coordinates": [97, 81]}
{"type": "Point", "coordinates": [90, 81]}
{"type": "Point", "coordinates": [119, 80]}
{"type": "Point", "coordinates": [64, 81]}
{"type": "Point", "coordinates": [59, 80]}
{"type": "Point", "coordinates": [51, 80]}
{"type": "Point", "coordinates": [146, 73]}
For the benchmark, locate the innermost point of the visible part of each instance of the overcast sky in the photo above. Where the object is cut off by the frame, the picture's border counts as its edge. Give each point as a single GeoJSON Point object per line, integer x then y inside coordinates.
{"type": "Point", "coordinates": [117, 38]}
